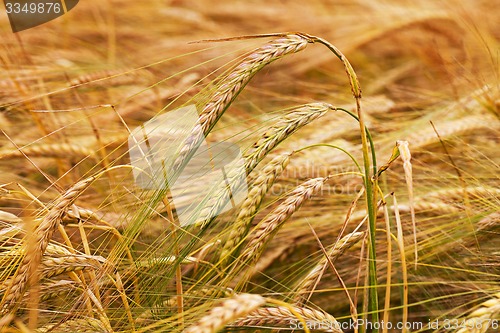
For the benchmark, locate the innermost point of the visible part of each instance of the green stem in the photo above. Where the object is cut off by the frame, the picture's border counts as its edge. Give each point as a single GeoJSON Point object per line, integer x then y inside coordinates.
{"type": "Point", "coordinates": [335, 147]}
{"type": "Point", "coordinates": [370, 195]}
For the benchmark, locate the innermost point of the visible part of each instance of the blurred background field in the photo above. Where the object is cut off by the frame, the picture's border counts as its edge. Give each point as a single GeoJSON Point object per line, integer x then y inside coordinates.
{"type": "Point", "coordinates": [68, 87]}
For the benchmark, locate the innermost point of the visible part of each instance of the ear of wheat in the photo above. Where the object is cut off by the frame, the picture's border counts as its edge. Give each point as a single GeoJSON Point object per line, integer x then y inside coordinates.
{"type": "Point", "coordinates": [60, 150]}
{"type": "Point", "coordinates": [37, 246]}
{"type": "Point", "coordinates": [75, 325]}
{"type": "Point", "coordinates": [282, 317]}
{"type": "Point", "coordinates": [258, 190]}
{"type": "Point", "coordinates": [233, 84]}
{"type": "Point", "coordinates": [229, 311]}
{"type": "Point", "coordinates": [266, 229]}
{"type": "Point", "coordinates": [480, 320]}
{"type": "Point", "coordinates": [289, 124]}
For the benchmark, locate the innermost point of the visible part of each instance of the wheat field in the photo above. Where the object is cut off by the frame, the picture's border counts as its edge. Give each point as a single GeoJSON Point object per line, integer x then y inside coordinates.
{"type": "Point", "coordinates": [364, 195]}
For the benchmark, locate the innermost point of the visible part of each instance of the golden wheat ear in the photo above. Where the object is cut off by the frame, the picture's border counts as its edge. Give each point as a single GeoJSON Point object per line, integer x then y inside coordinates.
{"type": "Point", "coordinates": [232, 84]}
{"type": "Point", "coordinates": [262, 183]}
{"type": "Point", "coordinates": [309, 282]}
{"type": "Point", "coordinates": [230, 310]}
{"type": "Point", "coordinates": [286, 317]}
{"type": "Point", "coordinates": [266, 228]}
{"type": "Point", "coordinates": [27, 274]}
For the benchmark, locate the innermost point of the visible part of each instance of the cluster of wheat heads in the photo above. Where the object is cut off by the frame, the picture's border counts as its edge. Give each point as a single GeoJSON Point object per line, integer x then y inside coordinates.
{"type": "Point", "coordinates": [184, 279]}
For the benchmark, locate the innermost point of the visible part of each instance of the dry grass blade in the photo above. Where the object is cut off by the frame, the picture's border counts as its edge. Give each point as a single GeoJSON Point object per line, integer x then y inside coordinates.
{"type": "Point", "coordinates": [38, 245]}
{"type": "Point", "coordinates": [282, 317]}
{"type": "Point", "coordinates": [307, 285]}
{"type": "Point", "coordinates": [405, 154]}
{"type": "Point", "coordinates": [289, 124]}
{"type": "Point", "coordinates": [229, 311]}
{"type": "Point", "coordinates": [59, 150]}
{"type": "Point", "coordinates": [232, 85]}
{"type": "Point", "coordinates": [261, 184]}
{"type": "Point", "coordinates": [266, 229]}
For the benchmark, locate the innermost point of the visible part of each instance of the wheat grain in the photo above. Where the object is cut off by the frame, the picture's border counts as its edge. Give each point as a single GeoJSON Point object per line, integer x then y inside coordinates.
{"type": "Point", "coordinates": [59, 150]}
{"type": "Point", "coordinates": [265, 230]}
{"type": "Point", "coordinates": [261, 184]}
{"type": "Point", "coordinates": [480, 320]}
{"type": "Point", "coordinates": [190, 298]}
{"type": "Point", "coordinates": [287, 125]}
{"type": "Point", "coordinates": [9, 217]}
{"type": "Point", "coordinates": [229, 311]}
{"type": "Point", "coordinates": [293, 121]}
{"type": "Point", "coordinates": [41, 236]}
{"type": "Point", "coordinates": [489, 222]}
{"type": "Point", "coordinates": [307, 285]}
{"type": "Point", "coordinates": [282, 317]}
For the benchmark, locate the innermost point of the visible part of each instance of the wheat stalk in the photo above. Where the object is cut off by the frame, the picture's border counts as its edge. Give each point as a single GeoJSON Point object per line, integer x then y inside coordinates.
{"type": "Point", "coordinates": [59, 150]}
{"type": "Point", "coordinates": [229, 311]}
{"type": "Point", "coordinates": [307, 285]}
{"type": "Point", "coordinates": [261, 184]}
{"type": "Point", "coordinates": [266, 229]}
{"type": "Point", "coordinates": [286, 126]}
{"type": "Point", "coordinates": [282, 317]}
{"type": "Point", "coordinates": [36, 248]}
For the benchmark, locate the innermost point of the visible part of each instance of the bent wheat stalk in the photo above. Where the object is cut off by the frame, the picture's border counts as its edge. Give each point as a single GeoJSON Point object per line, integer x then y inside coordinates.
{"type": "Point", "coordinates": [230, 310]}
